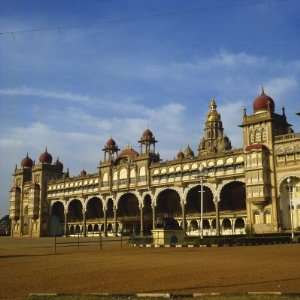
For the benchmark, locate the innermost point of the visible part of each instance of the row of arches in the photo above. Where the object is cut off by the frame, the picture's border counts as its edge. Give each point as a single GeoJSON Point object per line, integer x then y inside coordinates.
{"type": "Point", "coordinates": [228, 226]}
{"type": "Point", "coordinates": [133, 217]}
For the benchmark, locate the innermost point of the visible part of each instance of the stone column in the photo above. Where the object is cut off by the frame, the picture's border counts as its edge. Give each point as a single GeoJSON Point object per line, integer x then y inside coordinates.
{"type": "Point", "coordinates": [183, 216]}
{"type": "Point", "coordinates": [233, 225]}
{"type": "Point", "coordinates": [115, 221]}
{"type": "Point", "coordinates": [66, 224]}
{"type": "Point", "coordinates": [153, 217]}
{"type": "Point", "coordinates": [217, 218]}
{"type": "Point", "coordinates": [84, 221]}
{"type": "Point", "coordinates": [105, 221]}
{"type": "Point", "coordinates": [141, 220]}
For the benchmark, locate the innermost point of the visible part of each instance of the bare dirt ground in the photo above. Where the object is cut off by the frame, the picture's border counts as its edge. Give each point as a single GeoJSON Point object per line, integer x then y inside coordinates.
{"type": "Point", "coordinates": [29, 266]}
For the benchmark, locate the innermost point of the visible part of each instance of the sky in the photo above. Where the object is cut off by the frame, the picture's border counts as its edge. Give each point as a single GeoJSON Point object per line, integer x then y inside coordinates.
{"type": "Point", "coordinates": [75, 73]}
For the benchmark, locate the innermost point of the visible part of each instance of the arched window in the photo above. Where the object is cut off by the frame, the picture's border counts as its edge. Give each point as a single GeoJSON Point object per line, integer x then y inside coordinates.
{"type": "Point", "coordinates": [256, 217]}
{"type": "Point", "coordinates": [123, 173]}
{"type": "Point", "coordinates": [115, 175]}
{"type": "Point", "coordinates": [105, 177]}
{"type": "Point", "coordinates": [257, 136]}
{"type": "Point", "coordinates": [251, 137]}
{"type": "Point", "coordinates": [142, 171]}
{"type": "Point", "coordinates": [267, 217]}
{"type": "Point", "coordinates": [132, 173]}
{"type": "Point", "coordinates": [264, 134]}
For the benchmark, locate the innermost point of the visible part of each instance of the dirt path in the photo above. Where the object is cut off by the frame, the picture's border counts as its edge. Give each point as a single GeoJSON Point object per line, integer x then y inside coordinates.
{"type": "Point", "coordinates": [29, 266]}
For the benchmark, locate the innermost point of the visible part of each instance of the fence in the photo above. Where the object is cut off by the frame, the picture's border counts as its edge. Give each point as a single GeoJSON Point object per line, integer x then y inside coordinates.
{"type": "Point", "coordinates": [80, 241]}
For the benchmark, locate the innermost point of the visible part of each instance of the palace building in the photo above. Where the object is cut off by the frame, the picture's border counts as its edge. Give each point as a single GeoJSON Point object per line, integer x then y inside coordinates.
{"type": "Point", "coordinates": [252, 189]}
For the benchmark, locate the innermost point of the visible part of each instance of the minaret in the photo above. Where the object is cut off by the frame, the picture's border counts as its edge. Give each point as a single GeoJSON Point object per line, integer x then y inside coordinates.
{"type": "Point", "coordinates": [213, 140]}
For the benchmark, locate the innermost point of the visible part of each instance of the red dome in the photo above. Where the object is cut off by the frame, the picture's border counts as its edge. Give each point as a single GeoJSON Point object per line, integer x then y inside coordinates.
{"type": "Point", "coordinates": [27, 162]}
{"type": "Point", "coordinates": [128, 152]}
{"type": "Point", "coordinates": [111, 145]}
{"type": "Point", "coordinates": [263, 103]}
{"type": "Point", "coordinates": [147, 136]}
{"type": "Point", "coordinates": [45, 158]}
{"type": "Point", "coordinates": [111, 142]}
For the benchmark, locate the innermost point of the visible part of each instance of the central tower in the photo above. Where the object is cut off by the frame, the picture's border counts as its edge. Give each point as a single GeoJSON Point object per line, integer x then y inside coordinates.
{"type": "Point", "coordinates": [214, 140]}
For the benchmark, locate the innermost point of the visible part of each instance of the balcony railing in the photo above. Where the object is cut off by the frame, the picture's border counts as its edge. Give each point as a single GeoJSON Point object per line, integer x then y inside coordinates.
{"type": "Point", "coordinates": [285, 137]}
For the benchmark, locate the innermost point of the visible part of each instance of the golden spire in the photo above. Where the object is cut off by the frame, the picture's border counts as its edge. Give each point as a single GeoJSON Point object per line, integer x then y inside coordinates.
{"type": "Point", "coordinates": [213, 115]}
{"type": "Point", "coordinates": [213, 104]}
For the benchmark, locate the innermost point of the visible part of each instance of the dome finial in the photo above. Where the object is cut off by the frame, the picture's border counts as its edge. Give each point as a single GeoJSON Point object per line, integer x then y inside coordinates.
{"type": "Point", "coordinates": [262, 90]}
{"type": "Point", "coordinates": [213, 104]}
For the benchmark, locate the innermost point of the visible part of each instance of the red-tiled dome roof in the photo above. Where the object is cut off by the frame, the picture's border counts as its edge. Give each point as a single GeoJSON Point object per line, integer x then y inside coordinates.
{"type": "Point", "coordinates": [128, 152]}
{"type": "Point", "coordinates": [27, 162]}
{"type": "Point", "coordinates": [148, 136]}
{"type": "Point", "coordinates": [111, 142]}
{"type": "Point", "coordinates": [111, 145]}
{"type": "Point", "coordinates": [45, 158]}
{"type": "Point", "coordinates": [263, 103]}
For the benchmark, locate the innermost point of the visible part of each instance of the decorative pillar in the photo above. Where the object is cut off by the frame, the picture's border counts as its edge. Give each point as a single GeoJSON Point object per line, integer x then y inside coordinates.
{"type": "Point", "coordinates": [84, 220]}
{"type": "Point", "coordinates": [105, 221]}
{"type": "Point", "coordinates": [115, 221]}
{"type": "Point", "coordinates": [217, 218]}
{"type": "Point", "coordinates": [66, 224]}
{"type": "Point", "coordinates": [153, 217]}
{"type": "Point", "coordinates": [183, 216]}
{"type": "Point", "coordinates": [141, 220]}
{"type": "Point", "coordinates": [233, 225]}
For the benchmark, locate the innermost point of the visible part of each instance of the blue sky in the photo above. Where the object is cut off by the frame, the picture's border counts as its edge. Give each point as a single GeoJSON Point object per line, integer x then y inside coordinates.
{"type": "Point", "coordinates": [113, 68]}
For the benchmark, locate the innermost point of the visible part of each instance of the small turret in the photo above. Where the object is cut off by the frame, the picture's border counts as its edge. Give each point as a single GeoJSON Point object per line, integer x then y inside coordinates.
{"type": "Point", "coordinates": [147, 142]}
{"type": "Point", "coordinates": [110, 150]}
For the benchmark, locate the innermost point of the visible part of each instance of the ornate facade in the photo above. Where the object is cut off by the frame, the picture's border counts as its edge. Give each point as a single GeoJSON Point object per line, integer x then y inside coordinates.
{"type": "Point", "coordinates": [244, 190]}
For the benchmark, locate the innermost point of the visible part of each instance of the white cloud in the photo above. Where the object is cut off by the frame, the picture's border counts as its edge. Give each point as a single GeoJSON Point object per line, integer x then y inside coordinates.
{"type": "Point", "coordinates": [27, 91]}
{"type": "Point", "coordinates": [225, 58]}
{"type": "Point", "coordinates": [82, 148]}
{"type": "Point", "coordinates": [78, 132]}
{"type": "Point", "coordinates": [281, 87]}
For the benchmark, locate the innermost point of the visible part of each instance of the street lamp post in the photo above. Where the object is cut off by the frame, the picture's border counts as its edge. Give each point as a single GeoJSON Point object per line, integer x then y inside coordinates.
{"type": "Point", "coordinates": [290, 189]}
